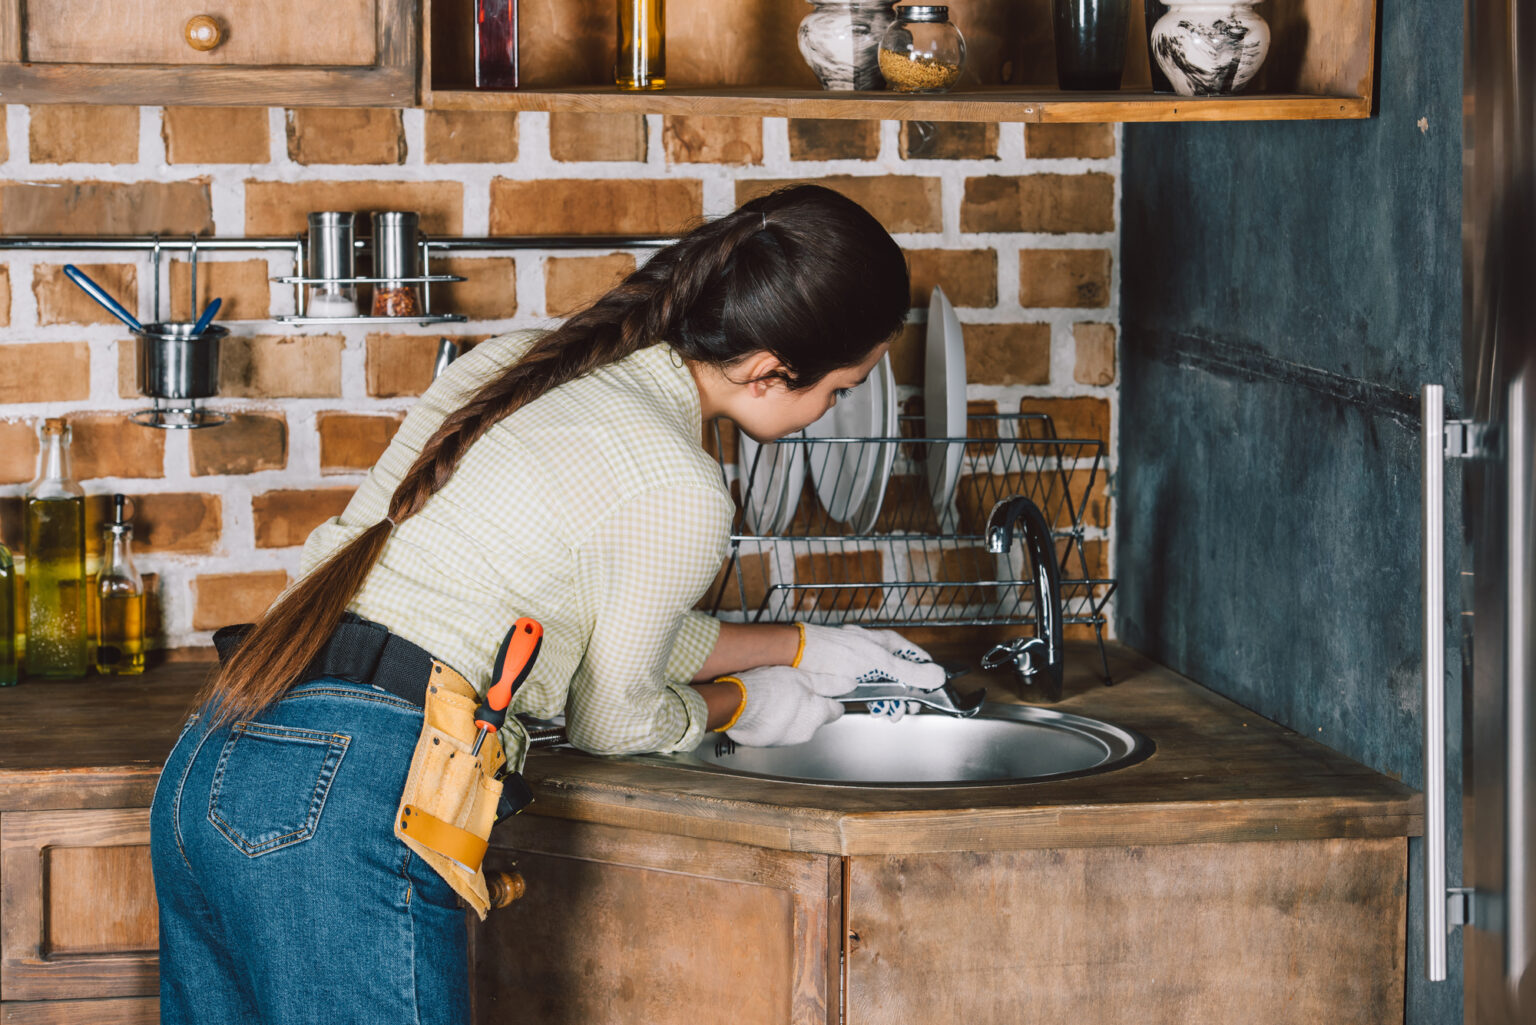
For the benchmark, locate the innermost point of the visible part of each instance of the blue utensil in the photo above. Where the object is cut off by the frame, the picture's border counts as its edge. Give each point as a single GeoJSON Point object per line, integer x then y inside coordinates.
{"type": "Point", "coordinates": [206, 318]}
{"type": "Point", "coordinates": [98, 293]}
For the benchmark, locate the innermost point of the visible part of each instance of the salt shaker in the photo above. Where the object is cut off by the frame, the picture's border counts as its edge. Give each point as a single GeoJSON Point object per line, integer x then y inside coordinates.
{"type": "Point", "coordinates": [332, 257]}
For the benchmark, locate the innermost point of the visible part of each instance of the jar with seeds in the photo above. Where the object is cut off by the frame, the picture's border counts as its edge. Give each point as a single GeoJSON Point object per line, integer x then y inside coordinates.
{"type": "Point", "coordinates": [922, 52]}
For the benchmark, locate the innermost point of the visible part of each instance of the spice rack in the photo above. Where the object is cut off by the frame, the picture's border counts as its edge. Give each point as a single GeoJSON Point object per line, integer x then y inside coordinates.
{"type": "Point", "coordinates": [923, 561]}
{"type": "Point", "coordinates": [160, 247]}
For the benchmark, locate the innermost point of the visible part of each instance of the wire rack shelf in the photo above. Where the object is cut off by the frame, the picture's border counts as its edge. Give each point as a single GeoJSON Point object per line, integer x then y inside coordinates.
{"type": "Point", "coordinates": [809, 543]}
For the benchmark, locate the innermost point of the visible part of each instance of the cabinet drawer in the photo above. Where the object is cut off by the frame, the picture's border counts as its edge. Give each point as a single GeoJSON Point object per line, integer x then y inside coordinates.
{"type": "Point", "coordinates": [77, 910]}
{"type": "Point", "coordinates": [254, 32]}
{"type": "Point", "coordinates": [274, 53]}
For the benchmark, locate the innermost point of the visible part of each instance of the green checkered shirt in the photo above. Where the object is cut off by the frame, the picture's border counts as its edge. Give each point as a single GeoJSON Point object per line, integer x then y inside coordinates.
{"type": "Point", "coordinates": [593, 509]}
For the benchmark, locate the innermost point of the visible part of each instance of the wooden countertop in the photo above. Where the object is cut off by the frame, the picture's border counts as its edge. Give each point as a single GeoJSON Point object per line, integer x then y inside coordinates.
{"type": "Point", "coordinates": [1220, 773]}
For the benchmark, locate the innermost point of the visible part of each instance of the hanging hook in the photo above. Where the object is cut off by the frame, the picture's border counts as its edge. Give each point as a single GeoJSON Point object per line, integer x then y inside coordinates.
{"type": "Point", "coordinates": [192, 299]}
{"type": "Point", "coordinates": [154, 267]}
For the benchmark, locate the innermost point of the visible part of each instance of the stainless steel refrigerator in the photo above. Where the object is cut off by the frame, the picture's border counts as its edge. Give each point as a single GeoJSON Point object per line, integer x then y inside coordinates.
{"type": "Point", "coordinates": [1495, 905]}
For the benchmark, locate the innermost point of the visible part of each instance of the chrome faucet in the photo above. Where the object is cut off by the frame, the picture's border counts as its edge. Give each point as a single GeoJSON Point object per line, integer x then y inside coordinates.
{"type": "Point", "coordinates": [1037, 658]}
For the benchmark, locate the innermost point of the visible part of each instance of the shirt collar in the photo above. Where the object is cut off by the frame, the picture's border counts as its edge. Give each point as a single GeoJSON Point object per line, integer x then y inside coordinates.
{"type": "Point", "coordinates": [665, 364]}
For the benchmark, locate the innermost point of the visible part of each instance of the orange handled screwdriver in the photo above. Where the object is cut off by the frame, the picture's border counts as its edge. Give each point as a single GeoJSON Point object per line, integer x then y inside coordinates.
{"type": "Point", "coordinates": [514, 659]}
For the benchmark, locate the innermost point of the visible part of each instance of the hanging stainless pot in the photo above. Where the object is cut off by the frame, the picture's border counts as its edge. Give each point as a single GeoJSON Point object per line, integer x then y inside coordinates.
{"type": "Point", "coordinates": [174, 363]}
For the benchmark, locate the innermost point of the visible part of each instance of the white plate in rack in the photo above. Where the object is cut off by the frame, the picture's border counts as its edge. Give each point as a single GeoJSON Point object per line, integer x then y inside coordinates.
{"type": "Point", "coordinates": [885, 381]}
{"type": "Point", "coordinates": [844, 471]}
{"type": "Point", "coordinates": [780, 474]}
{"type": "Point", "coordinates": [944, 403]}
{"type": "Point", "coordinates": [792, 469]}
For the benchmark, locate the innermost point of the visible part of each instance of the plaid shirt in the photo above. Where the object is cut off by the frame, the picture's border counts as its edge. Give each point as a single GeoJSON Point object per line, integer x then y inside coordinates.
{"type": "Point", "coordinates": [593, 509]}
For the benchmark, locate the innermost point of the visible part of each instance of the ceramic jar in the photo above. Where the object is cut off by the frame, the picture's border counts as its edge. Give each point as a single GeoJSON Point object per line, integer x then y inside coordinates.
{"type": "Point", "coordinates": [1209, 49]}
{"type": "Point", "coordinates": [840, 40]}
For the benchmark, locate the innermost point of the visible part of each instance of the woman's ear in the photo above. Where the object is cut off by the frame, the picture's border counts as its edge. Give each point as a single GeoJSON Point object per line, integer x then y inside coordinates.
{"type": "Point", "coordinates": [759, 372]}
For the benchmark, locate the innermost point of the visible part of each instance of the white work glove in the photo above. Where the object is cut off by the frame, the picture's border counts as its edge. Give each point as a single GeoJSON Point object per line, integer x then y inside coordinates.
{"type": "Point", "coordinates": [854, 655]}
{"type": "Point", "coordinates": [783, 706]}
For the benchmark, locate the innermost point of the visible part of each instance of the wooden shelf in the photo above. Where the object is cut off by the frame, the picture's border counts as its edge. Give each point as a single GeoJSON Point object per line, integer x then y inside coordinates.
{"type": "Point", "coordinates": [994, 104]}
{"type": "Point", "coordinates": [742, 59]}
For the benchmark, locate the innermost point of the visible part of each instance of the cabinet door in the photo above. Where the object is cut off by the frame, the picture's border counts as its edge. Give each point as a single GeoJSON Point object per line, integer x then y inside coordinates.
{"type": "Point", "coordinates": [628, 926]}
{"type": "Point", "coordinates": [1275, 933]}
{"type": "Point", "coordinates": [270, 52]}
{"type": "Point", "coordinates": [77, 905]}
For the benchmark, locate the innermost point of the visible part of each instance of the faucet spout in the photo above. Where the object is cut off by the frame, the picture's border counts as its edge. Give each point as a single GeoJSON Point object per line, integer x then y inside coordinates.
{"type": "Point", "coordinates": [1039, 657]}
{"type": "Point", "coordinates": [999, 532]}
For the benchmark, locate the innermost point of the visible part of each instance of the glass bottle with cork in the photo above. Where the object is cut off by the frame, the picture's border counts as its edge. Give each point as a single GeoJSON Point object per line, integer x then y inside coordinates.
{"type": "Point", "coordinates": [54, 541]}
{"type": "Point", "coordinates": [10, 661]}
{"type": "Point", "coordinates": [120, 597]}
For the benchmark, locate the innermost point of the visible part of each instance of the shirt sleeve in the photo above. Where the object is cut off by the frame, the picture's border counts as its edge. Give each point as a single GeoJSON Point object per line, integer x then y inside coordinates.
{"type": "Point", "coordinates": [697, 634]}
{"type": "Point", "coordinates": [642, 570]}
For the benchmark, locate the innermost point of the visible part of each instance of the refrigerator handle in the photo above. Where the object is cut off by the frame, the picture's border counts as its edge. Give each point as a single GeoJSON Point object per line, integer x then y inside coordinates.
{"type": "Point", "coordinates": [1432, 584]}
{"type": "Point", "coordinates": [1517, 695]}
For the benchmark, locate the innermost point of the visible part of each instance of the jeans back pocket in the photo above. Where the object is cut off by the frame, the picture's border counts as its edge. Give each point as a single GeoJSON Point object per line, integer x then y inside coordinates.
{"type": "Point", "coordinates": [270, 784]}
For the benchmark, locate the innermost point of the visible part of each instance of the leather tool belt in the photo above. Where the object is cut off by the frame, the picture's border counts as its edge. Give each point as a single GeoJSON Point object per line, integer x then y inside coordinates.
{"type": "Point", "coordinates": [451, 800]}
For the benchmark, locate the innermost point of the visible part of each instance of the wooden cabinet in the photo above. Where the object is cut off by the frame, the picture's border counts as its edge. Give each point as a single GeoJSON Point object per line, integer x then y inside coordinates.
{"type": "Point", "coordinates": [627, 926]}
{"type": "Point", "coordinates": [77, 916]}
{"type": "Point", "coordinates": [743, 58]}
{"type": "Point", "coordinates": [624, 925]}
{"type": "Point", "coordinates": [266, 52]}
{"type": "Point", "coordinates": [1242, 873]}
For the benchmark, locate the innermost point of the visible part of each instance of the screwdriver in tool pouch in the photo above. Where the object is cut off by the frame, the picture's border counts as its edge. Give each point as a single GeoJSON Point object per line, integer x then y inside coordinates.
{"type": "Point", "coordinates": [514, 659]}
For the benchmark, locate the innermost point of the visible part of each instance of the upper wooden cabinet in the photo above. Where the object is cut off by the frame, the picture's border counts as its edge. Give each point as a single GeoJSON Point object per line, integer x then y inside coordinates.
{"type": "Point", "coordinates": [743, 58]}
{"type": "Point", "coordinates": [250, 52]}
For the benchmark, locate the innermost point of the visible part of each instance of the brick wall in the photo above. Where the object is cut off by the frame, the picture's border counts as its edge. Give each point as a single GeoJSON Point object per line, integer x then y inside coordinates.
{"type": "Point", "coordinates": [1017, 223]}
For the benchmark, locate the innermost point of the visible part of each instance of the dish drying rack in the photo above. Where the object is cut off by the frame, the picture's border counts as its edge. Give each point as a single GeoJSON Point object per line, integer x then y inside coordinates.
{"type": "Point", "coordinates": [924, 560]}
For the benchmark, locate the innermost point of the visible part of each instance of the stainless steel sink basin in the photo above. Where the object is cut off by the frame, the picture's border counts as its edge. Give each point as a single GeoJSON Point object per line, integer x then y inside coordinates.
{"type": "Point", "coordinates": [1001, 744]}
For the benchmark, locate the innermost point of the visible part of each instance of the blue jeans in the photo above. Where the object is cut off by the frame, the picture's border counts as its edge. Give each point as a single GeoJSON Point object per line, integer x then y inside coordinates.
{"type": "Point", "coordinates": [284, 895]}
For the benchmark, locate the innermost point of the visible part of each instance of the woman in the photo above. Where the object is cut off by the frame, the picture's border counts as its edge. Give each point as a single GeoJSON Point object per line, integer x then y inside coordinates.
{"type": "Point", "coordinates": [559, 477]}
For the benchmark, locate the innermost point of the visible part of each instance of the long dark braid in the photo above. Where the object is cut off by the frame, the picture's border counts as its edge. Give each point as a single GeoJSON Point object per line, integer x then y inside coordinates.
{"type": "Point", "coordinates": [761, 278]}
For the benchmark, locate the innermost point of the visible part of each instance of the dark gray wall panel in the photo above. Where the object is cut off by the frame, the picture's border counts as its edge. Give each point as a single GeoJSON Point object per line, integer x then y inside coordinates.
{"type": "Point", "coordinates": [1287, 288]}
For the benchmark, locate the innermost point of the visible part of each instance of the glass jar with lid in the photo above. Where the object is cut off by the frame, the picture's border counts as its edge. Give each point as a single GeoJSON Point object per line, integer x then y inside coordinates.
{"type": "Point", "coordinates": [922, 52]}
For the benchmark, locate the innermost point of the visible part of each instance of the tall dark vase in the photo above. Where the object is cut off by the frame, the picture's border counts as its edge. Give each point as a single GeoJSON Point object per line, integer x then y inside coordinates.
{"type": "Point", "coordinates": [1155, 10]}
{"type": "Point", "coordinates": [1090, 42]}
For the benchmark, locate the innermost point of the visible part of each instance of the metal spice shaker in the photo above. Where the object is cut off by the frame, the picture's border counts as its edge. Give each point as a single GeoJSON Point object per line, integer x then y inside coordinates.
{"type": "Point", "coordinates": [396, 260]}
{"type": "Point", "coordinates": [332, 257]}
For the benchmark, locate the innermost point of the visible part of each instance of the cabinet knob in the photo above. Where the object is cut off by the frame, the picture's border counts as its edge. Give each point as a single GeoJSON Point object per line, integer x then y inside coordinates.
{"type": "Point", "coordinates": [505, 887]}
{"type": "Point", "coordinates": [203, 32]}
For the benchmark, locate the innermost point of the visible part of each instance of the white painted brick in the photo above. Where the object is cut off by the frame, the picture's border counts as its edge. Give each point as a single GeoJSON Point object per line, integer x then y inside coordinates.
{"type": "Point", "coordinates": [237, 552]}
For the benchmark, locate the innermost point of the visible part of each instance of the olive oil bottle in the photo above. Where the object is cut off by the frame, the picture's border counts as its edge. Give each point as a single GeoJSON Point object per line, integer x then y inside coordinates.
{"type": "Point", "coordinates": [10, 663]}
{"type": "Point", "coordinates": [120, 598]}
{"type": "Point", "coordinates": [57, 643]}
{"type": "Point", "coordinates": [642, 62]}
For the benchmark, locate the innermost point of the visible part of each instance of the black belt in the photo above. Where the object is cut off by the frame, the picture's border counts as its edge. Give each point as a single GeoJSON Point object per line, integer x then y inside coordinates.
{"type": "Point", "coordinates": [361, 651]}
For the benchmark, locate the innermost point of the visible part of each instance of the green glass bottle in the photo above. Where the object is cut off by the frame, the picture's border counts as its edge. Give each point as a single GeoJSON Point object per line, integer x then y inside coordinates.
{"type": "Point", "coordinates": [10, 664]}
{"type": "Point", "coordinates": [120, 600]}
{"type": "Point", "coordinates": [57, 629]}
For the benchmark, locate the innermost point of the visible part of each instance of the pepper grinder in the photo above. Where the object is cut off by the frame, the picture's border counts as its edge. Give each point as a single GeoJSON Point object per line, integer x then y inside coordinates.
{"type": "Point", "coordinates": [395, 262]}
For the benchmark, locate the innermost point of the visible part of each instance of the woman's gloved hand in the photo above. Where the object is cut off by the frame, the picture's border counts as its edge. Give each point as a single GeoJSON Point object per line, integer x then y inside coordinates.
{"type": "Point", "coordinates": [855, 655]}
{"type": "Point", "coordinates": [782, 706]}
